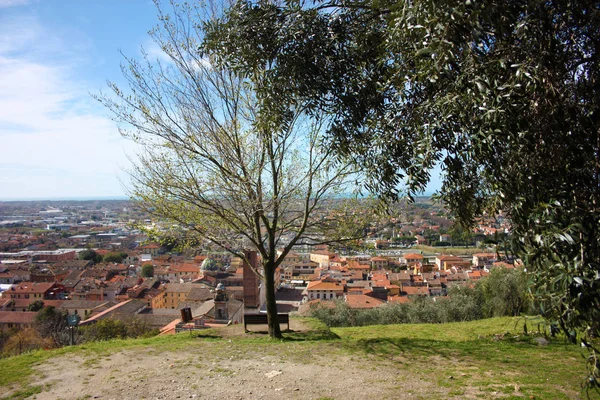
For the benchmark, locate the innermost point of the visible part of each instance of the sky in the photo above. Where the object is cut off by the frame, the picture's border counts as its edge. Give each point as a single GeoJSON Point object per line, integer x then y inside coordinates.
{"type": "Point", "coordinates": [56, 141]}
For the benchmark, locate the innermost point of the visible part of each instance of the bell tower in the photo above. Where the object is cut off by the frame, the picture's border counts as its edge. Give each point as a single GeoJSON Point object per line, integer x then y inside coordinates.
{"type": "Point", "coordinates": [221, 303]}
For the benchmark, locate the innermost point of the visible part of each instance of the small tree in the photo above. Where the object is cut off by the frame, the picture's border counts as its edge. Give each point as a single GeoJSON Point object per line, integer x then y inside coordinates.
{"type": "Point", "coordinates": [114, 257]}
{"type": "Point", "coordinates": [35, 306]}
{"type": "Point", "coordinates": [90, 255]}
{"type": "Point", "coordinates": [504, 292]}
{"type": "Point", "coordinates": [105, 329]}
{"type": "Point", "coordinates": [52, 324]}
{"type": "Point", "coordinates": [25, 340]}
{"type": "Point", "coordinates": [147, 270]}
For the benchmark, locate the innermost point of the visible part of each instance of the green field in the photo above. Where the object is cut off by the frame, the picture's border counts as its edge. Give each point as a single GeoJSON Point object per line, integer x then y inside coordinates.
{"type": "Point", "coordinates": [456, 250]}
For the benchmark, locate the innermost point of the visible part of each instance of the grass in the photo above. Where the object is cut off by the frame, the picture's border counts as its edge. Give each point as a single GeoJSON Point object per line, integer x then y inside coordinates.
{"type": "Point", "coordinates": [492, 355]}
{"type": "Point", "coordinates": [486, 358]}
{"type": "Point", "coordinates": [454, 250]}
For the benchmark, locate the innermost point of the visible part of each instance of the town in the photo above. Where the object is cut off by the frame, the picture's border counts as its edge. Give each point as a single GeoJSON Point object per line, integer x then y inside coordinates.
{"type": "Point", "coordinates": [94, 260]}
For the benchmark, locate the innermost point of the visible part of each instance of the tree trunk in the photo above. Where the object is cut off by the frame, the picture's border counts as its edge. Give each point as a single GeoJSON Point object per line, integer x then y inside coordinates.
{"type": "Point", "coordinates": [273, 321]}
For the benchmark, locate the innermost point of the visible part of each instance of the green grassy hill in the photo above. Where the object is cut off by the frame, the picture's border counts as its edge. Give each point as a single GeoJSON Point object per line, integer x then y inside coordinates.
{"type": "Point", "coordinates": [482, 359]}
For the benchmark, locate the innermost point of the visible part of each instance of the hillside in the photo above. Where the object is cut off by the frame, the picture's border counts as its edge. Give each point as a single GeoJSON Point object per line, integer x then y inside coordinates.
{"type": "Point", "coordinates": [481, 359]}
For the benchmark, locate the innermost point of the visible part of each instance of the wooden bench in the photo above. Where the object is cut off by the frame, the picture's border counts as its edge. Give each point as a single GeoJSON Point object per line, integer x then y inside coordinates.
{"type": "Point", "coordinates": [261, 319]}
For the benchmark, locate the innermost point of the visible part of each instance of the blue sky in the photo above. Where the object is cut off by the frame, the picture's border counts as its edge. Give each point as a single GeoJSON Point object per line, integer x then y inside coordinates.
{"type": "Point", "coordinates": [56, 141]}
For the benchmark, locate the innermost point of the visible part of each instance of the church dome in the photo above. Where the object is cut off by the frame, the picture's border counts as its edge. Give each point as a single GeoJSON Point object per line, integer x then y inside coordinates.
{"type": "Point", "coordinates": [209, 265]}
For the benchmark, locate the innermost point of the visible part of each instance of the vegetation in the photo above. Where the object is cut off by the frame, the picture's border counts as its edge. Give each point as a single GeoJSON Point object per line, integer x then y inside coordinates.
{"type": "Point", "coordinates": [502, 293]}
{"type": "Point", "coordinates": [147, 270]}
{"type": "Point", "coordinates": [24, 341]}
{"type": "Point", "coordinates": [51, 331]}
{"type": "Point", "coordinates": [502, 95]}
{"type": "Point", "coordinates": [223, 162]}
{"type": "Point", "coordinates": [90, 255]}
{"type": "Point", "coordinates": [52, 324]}
{"type": "Point", "coordinates": [114, 257]}
{"type": "Point", "coordinates": [36, 305]}
{"type": "Point", "coordinates": [108, 329]}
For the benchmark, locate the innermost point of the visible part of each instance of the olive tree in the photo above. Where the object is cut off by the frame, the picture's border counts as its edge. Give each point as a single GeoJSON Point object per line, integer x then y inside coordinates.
{"type": "Point", "coordinates": [502, 95]}
{"type": "Point", "coordinates": [222, 163]}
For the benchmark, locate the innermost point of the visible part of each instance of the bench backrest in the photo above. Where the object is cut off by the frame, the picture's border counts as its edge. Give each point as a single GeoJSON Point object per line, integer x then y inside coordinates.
{"type": "Point", "coordinates": [262, 318]}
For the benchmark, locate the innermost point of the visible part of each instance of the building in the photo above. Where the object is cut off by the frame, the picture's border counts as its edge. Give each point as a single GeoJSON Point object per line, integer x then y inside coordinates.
{"type": "Point", "coordinates": [251, 281]}
{"type": "Point", "coordinates": [320, 257]}
{"type": "Point", "coordinates": [378, 263]}
{"type": "Point", "coordinates": [35, 291]}
{"type": "Point", "coordinates": [172, 295]}
{"type": "Point", "coordinates": [10, 320]}
{"type": "Point", "coordinates": [484, 259]}
{"type": "Point", "coordinates": [411, 259]}
{"type": "Point", "coordinates": [324, 290]}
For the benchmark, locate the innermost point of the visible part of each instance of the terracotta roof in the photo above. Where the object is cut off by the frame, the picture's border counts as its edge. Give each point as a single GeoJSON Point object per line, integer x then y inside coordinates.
{"type": "Point", "coordinates": [400, 276]}
{"type": "Point", "coordinates": [103, 313]}
{"type": "Point", "coordinates": [23, 303]}
{"type": "Point", "coordinates": [356, 265]}
{"type": "Point", "coordinates": [415, 290]}
{"type": "Point", "coordinates": [381, 283]}
{"type": "Point", "coordinates": [31, 287]}
{"type": "Point", "coordinates": [17, 317]}
{"type": "Point", "coordinates": [362, 301]}
{"type": "Point", "coordinates": [320, 285]}
{"type": "Point", "coordinates": [412, 256]}
{"type": "Point", "coordinates": [185, 268]}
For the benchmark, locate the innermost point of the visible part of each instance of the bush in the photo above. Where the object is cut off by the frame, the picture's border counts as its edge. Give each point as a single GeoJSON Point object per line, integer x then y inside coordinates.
{"type": "Point", "coordinates": [111, 328]}
{"type": "Point", "coordinates": [52, 324]}
{"type": "Point", "coordinates": [25, 340]}
{"type": "Point", "coordinates": [138, 327]}
{"type": "Point", "coordinates": [90, 255]}
{"type": "Point", "coordinates": [462, 304]}
{"type": "Point", "coordinates": [114, 257]}
{"type": "Point", "coordinates": [504, 292]}
{"type": "Point", "coordinates": [105, 329]}
{"type": "Point", "coordinates": [147, 270]}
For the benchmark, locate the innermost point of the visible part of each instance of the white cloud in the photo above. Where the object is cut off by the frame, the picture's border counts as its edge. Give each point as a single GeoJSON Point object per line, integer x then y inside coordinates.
{"type": "Point", "coordinates": [154, 52]}
{"type": "Point", "coordinates": [56, 140]}
{"type": "Point", "coordinates": [13, 3]}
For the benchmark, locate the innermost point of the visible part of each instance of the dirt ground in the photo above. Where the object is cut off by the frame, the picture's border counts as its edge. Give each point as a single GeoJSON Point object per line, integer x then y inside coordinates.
{"type": "Point", "coordinates": [225, 369]}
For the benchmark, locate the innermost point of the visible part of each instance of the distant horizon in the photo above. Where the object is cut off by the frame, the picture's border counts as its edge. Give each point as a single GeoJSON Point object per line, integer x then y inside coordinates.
{"type": "Point", "coordinates": [100, 198]}
{"type": "Point", "coordinates": [65, 198]}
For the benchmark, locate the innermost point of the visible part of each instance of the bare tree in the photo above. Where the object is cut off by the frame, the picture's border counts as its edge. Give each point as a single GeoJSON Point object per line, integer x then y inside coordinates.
{"type": "Point", "coordinates": [219, 163]}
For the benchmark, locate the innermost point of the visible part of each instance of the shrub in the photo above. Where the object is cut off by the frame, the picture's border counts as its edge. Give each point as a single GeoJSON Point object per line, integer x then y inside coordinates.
{"type": "Point", "coordinates": [105, 329]}
{"type": "Point", "coordinates": [502, 293]}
